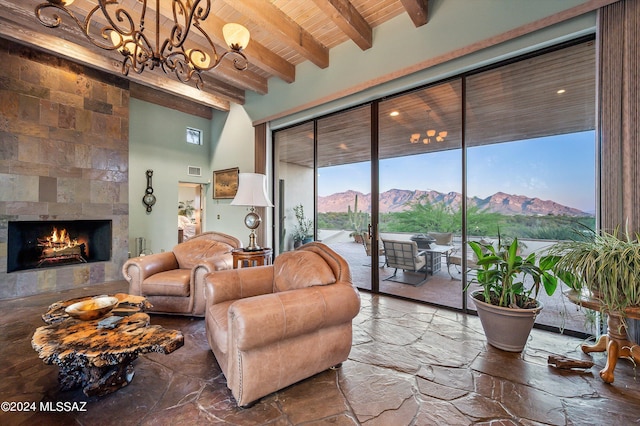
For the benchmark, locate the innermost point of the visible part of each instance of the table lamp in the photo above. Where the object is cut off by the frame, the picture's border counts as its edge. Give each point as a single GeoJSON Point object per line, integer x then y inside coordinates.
{"type": "Point", "coordinates": [252, 192]}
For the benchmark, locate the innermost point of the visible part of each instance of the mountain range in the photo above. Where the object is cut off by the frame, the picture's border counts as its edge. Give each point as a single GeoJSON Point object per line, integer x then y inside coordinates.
{"type": "Point", "coordinates": [396, 200]}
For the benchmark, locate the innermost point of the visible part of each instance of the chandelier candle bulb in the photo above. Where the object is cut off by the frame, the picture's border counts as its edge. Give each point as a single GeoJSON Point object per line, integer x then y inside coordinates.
{"type": "Point", "coordinates": [236, 36]}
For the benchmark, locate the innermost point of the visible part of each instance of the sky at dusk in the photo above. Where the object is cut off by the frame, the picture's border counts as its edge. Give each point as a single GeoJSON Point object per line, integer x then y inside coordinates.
{"type": "Point", "coordinates": [558, 168]}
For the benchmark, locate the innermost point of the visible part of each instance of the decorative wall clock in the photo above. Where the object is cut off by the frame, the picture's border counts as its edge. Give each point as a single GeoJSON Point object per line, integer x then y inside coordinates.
{"type": "Point", "coordinates": [149, 199]}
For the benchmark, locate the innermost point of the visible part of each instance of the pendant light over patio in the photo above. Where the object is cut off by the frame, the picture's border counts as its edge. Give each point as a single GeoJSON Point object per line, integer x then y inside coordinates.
{"type": "Point", "coordinates": [430, 135]}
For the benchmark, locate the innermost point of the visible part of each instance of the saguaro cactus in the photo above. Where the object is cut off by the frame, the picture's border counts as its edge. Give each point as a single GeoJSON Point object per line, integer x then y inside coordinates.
{"type": "Point", "coordinates": [357, 218]}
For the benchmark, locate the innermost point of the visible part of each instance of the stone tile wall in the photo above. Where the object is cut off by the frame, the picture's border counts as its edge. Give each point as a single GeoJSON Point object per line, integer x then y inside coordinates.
{"type": "Point", "coordinates": [64, 155]}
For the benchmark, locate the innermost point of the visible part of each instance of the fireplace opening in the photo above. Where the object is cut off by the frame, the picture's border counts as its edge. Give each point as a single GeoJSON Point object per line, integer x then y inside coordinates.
{"type": "Point", "coordinates": [45, 244]}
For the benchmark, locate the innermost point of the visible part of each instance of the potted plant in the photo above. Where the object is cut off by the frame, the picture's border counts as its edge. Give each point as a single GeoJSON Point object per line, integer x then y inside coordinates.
{"type": "Point", "coordinates": [509, 284]}
{"type": "Point", "coordinates": [303, 232]}
{"type": "Point", "coordinates": [604, 265]}
{"type": "Point", "coordinates": [186, 208]}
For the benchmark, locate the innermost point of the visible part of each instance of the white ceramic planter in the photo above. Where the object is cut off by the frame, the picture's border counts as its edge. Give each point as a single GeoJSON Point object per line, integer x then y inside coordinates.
{"type": "Point", "coordinates": [506, 328]}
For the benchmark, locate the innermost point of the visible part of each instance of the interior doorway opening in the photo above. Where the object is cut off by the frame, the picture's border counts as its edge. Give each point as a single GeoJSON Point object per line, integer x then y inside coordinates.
{"type": "Point", "coordinates": [190, 210]}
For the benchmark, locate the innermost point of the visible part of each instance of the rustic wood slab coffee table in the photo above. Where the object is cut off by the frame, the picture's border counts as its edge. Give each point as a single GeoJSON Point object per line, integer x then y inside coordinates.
{"type": "Point", "coordinates": [98, 355]}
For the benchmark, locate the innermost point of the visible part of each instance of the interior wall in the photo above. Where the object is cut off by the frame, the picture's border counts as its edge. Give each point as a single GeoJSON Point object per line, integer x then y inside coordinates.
{"type": "Point", "coordinates": [297, 181]}
{"type": "Point", "coordinates": [233, 146]}
{"type": "Point", "coordinates": [158, 142]}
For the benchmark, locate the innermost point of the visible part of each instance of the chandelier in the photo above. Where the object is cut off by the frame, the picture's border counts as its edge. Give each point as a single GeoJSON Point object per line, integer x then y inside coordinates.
{"type": "Point", "coordinates": [430, 135]}
{"type": "Point", "coordinates": [176, 53]}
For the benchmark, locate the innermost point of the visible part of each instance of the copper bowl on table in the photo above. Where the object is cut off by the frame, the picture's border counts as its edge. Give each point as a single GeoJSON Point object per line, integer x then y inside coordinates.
{"type": "Point", "coordinates": [92, 309]}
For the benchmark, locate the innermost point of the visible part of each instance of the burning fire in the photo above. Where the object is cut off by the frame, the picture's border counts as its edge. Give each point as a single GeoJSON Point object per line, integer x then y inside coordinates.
{"type": "Point", "coordinates": [59, 244]}
{"type": "Point", "coordinates": [61, 240]}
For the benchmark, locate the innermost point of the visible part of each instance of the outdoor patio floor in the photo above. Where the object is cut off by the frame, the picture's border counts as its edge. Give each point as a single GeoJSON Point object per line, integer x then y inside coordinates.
{"type": "Point", "coordinates": [443, 290]}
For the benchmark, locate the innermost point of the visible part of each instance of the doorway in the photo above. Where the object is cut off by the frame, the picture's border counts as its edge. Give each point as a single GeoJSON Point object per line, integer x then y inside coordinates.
{"type": "Point", "coordinates": [190, 210]}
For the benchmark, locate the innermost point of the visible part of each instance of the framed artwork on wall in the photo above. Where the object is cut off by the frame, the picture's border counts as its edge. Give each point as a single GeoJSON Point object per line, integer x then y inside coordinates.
{"type": "Point", "coordinates": [225, 183]}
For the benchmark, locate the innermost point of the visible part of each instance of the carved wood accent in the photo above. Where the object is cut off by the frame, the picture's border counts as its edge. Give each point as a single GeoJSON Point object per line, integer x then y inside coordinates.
{"type": "Point", "coordinates": [566, 363]}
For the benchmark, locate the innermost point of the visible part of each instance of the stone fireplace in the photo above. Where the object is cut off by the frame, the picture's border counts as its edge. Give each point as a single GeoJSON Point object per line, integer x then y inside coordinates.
{"type": "Point", "coordinates": [64, 150]}
{"type": "Point", "coordinates": [47, 244]}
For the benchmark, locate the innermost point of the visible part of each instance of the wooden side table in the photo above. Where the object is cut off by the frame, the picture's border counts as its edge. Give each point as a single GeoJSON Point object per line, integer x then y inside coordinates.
{"type": "Point", "coordinates": [247, 259]}
{"type": "Point", "coordinates": [616, 342]}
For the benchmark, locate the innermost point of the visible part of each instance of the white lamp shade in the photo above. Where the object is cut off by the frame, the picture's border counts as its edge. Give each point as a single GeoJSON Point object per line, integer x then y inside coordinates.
{"type": "Point", "coordinates": [252, 191]}
{"type": "Point", "coordinates": [236, 35]}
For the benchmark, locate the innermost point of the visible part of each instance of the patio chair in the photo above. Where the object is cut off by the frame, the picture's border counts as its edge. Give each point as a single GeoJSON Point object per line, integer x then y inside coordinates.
{"type": "Point", "coordinates": [442, 238]}
{"type": "Point", "coordinates": [366, 242]}
{"type": "Point", "coordinates": [404, 255]}
{"type": "Point", "coordinates": [454, 258]}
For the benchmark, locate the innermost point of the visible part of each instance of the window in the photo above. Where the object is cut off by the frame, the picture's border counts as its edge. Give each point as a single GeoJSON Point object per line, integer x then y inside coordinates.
{"type": "Point", "coordinates": [513, 142]}
{"type": "Point", "coordinates": [194, 136]}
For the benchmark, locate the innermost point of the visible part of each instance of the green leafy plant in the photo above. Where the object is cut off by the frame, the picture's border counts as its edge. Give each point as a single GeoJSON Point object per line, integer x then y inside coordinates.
{"type": "Point", "coordinates": [605, 264]}
{"type": "Point", "coordinates": [502, 274]}
{"type": "Point", "coordinates": [185, 208]}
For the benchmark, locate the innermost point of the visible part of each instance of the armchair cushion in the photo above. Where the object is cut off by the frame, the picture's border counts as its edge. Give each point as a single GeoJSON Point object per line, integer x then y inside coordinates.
{"type": "Point", "coordinates": [169, 283]}
{"type": "Point", "coordinates": [199, 250]}
{"type": "Point", "coordinates": [300, 269]}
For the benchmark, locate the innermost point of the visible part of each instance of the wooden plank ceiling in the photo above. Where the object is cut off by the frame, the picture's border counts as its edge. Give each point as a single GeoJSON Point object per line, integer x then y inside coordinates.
{"type": "Point", "coordinates": [514, 102]}
{"type": "Point", "coordinates": [284, 33]}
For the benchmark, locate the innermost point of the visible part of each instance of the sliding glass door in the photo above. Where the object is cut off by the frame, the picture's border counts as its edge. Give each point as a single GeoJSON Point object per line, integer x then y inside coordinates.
{"type": "Point", "coordinates": [344, 187]}
{"type": "Point", "coordinates": [294, 186]}
{"type": "Point", "coordinates": [420, 192]}
{"type": "Point", "coordinates": [495, 154]}
{"type": "Point", "coordinates": [531, 158]}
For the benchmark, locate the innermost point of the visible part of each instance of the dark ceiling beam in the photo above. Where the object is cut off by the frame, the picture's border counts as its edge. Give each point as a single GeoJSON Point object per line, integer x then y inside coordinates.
{"type": "Point", "coordinates": [417, 11]}
{"type": "Point", "coordinates": [349, 20]}
{"type": "Point", "coordinates": [147, 94]}
{"type": "Point", "coordinates": [271, 18]}
{"type": "Point", "coordinates": [86, 56]}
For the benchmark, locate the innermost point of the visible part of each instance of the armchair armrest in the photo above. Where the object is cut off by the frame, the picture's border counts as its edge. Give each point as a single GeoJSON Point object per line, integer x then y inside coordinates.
{"type": "Point", "coordinates": [232, 284]}
{"type": "Point", "coordinates": [262, 320]}
{"type": "Point", "coordinates": [198, 275]}
{"type": "Point", "coordinates": [137, 269]}
{"type": "Point", "coordinates": [202, 269]}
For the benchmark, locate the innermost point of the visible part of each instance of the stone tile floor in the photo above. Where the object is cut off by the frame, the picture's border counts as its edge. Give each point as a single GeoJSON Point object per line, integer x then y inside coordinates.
{"type": "Point", "coordinates": [410, 364]}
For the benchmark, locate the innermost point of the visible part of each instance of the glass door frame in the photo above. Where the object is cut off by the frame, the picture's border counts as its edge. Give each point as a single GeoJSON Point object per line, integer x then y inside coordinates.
{"type": "Point", "coordinates": [375, 161]}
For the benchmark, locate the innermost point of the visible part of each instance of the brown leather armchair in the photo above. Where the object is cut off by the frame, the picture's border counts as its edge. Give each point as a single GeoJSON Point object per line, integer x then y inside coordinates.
{"type": "Point", "coordinates": [272, 326]}
{"type": "Point", "coordinates": [174, 281]}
